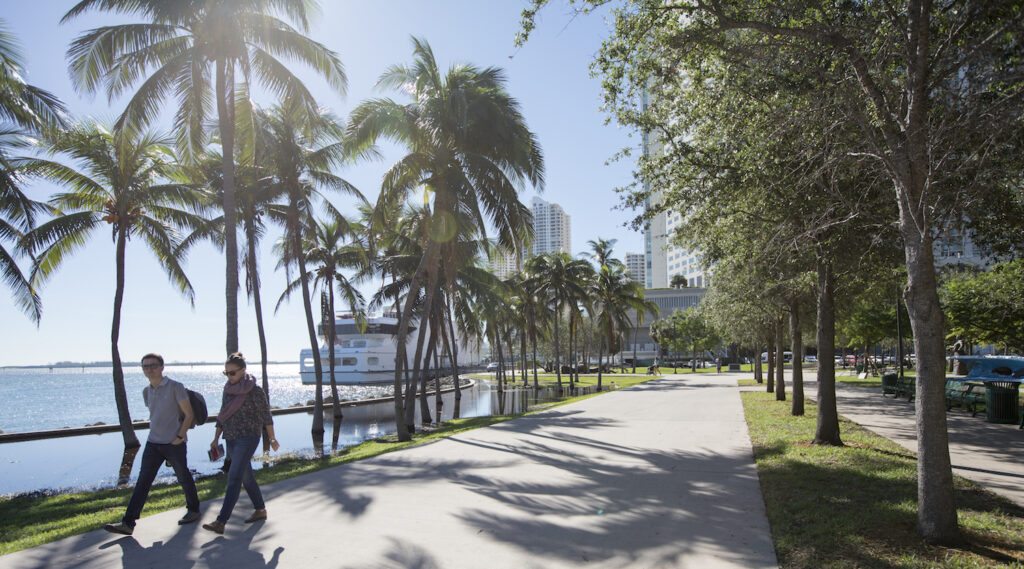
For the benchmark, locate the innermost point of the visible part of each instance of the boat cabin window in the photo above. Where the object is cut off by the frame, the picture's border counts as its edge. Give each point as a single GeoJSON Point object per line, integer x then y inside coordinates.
{"type": "Point", "coordinates": [344, 343]}
{"type": "Point", "coordinates": [348, 361]}
{"type": "Point", "coordinates": [358, 343]}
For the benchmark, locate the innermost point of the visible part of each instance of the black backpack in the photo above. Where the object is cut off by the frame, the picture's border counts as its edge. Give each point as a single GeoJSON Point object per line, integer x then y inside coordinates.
{"type": "Point", "coordinates": [199, 411]}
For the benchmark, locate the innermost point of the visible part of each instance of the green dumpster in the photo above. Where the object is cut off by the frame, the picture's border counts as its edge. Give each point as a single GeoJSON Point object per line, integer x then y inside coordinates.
{"type": "Point", "coordinates": [889, 380]}
{"type": "Point", "coordinates": [1002, 401]}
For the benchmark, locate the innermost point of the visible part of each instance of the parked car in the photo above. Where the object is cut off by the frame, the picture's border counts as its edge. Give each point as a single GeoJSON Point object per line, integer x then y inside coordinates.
{"type": "Point", "coordinates": [811, 359]}
{"type": "Point", "coordinates": [493, 366]}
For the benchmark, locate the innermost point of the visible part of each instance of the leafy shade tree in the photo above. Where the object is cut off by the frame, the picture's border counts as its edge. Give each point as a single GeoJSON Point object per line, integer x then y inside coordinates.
{"type": "Point", "coordinates": [469, 150]}
{"type": "Point", "coordinates": [128, 181]}
{"type": "Point", "coordinates": [678, 281]}
{"type": "Point", "coordinates": [24, 109]}
{"type": "Point", "coordinates": [988, 307]}
{"type": "Point", "coordinates": [188, 51]}
{"type": "Point", "coordinates": [933, 91]}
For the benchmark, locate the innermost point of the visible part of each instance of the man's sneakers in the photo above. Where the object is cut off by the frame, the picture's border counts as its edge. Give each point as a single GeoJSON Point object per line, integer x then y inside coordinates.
{"type": "Point", "coordinates": [121, 528]}
{"type": "Point", "coordinates": [190, 517]}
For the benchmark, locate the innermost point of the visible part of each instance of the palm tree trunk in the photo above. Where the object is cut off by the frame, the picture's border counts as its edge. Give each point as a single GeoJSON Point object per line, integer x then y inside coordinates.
{"type": "Point", "coordinates": [600, 358]}
{"type": "Point", "coordinates": [401, 361]}
{"type": "Point", "coordinates": [317, 429]}
{"type": "Point", "coordinates": [253, 276]}
{"type": "Point", "coordinates": [533, 341]}
{"type": "Point", "coordinates": [225, 119]}
{"type": "Point", "coordinates": [454, 354]}
{"type": "Point", "coordinates": [558, 363]}
{"type": "Point", "coordinates": [124, 417]}
{"type": "Point", "coordinates": [336, 405]}
{"type": "Point", "coordinates": [425, 418]}
{"type": "Point", "coordinates": [522, 352]}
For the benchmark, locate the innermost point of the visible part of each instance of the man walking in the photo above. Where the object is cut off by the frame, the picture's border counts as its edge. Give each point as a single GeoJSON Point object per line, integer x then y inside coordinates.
{"type": "Point", "coordinates": [170, 416]}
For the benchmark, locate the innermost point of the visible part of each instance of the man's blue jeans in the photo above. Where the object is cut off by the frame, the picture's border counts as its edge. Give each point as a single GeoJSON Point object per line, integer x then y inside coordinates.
{"type": "Point", "coordinates": [240, 474]}
{"type": "Point", "coordinates": [152, 457]}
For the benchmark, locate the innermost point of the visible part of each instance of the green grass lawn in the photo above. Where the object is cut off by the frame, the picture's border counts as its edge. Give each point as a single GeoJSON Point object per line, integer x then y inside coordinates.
{"type": "Point", "coordinates": [856, 506]}
{"type": "Point", "coordinates": [30, 520]}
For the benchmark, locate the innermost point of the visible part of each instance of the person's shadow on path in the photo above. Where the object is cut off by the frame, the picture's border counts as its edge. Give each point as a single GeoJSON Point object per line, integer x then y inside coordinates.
{"type": "Point", "coordinates": [177, 553]}
{"type": "Point", "coordinates": [236, 551]}
{"type": "Point", "coordinates": [170, 555]}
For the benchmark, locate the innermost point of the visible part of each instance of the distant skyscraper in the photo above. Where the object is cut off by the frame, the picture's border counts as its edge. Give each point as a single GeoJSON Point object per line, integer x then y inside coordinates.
{"type": "Point", "coordinates": [663, 259]}
{"type": "Point", "coordinates": [635, 263]}
{"type": "Point", "coordinates": [502, 262]}
{"type": "Point", "coordinates": [551, 229]}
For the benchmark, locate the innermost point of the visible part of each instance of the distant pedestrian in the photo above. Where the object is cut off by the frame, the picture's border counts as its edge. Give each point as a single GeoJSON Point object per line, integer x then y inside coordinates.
{"type": "Point", "coordinates": [170, 417]}
{"type": "Point", "coordinates": [244, 415]}
{"type": "Point", "coordinates": [718, 364]}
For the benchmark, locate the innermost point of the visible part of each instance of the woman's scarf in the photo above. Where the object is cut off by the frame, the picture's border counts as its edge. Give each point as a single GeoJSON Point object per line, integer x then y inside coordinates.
{"type": "Point", "coordinates": [234, 396]}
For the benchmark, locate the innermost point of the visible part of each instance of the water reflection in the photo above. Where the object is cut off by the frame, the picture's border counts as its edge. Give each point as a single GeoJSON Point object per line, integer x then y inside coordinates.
{"type": "Point", "coordinates": [85, 462]}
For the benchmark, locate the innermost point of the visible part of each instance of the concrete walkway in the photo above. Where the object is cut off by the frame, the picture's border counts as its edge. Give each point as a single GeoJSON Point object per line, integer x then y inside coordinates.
{"type": "Point", "coordinates": [990, 454]}
{"type": "Point", "coordinates": [657, 476]}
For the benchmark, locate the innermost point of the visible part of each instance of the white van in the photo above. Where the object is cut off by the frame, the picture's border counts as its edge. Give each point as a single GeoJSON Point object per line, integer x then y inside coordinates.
{"type": "Point", "coordinates": [787, 357]}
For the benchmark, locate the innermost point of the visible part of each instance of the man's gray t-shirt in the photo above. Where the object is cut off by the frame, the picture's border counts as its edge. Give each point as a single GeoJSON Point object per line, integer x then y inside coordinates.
{"type": "Point", "coordinates": [164, 410]}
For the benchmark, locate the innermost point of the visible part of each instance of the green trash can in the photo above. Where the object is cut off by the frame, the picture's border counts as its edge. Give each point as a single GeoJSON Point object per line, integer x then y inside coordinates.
{"type": "Point", "coordinates": [1001, 402]}
{"type": "Point", "coordinates": [889, 380]}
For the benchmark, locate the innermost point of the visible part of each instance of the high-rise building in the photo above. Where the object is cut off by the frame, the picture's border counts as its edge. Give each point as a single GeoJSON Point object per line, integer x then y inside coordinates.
{"type": "Point", "coordinates": [551, 229]}
{"type": "Point", "coordinates": [635, 263]}
{"type": "Point", "coordinates": [502, 262]}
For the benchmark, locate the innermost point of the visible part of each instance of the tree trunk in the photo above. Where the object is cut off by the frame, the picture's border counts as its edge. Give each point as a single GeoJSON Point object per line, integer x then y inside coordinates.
{"type": "Point", "coordinates": [558, 363]}
{"type": "Point", "coordinates": [758, 368]}
{"type": "Point", "coordinates": [403, 333]}
{"type": "Point", "coordinates": [336, 407]}
{"type": "Point", "coordinates": [124, 417]}
{"type": "Point", "coordinates": [780, 362]}
{"type": "Point", "coordinates": [600, 358]}
{"type": "Point", "coordinates": [317, 429]}
{"type": "Point", "coordinates": [453, 351]}
{"type": "Point", "coordinates": [771, 363]}
{"type": "Point", "coordinates": [798, 350]}
{"type": "Point", "coordinates": [827, 429]}
{"type": "Point", "coordinates": [533, 342]}
{"type": "Point", "coordinates": [226, 121]}
{"type": "Point", "coordinates": [936, 518]}
{"type": "Point", "coordinates": [425, 418]}
{"type": "Point", "coordinates": [253, 276]}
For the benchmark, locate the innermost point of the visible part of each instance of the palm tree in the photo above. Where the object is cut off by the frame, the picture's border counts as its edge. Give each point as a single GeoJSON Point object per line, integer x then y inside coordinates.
{"type": "Point", "coordinates": [326, 255]}
{"type": "Point", "coordinates": [299, 155]}
{"type": "Point", "coordinates": [614, 294]}
{"type": "Point", "coordinates": [24, 109]}
{"type": "Point", "coordinates": [255, 197]}
{"type": "Point", "coordinates": [469, 149]}
{"type": "Point", "coordinates": [127, 180]}
{"type": "Point", "coordinates": [560, 281]}
{"type": "Point", "coordinates": [188, 48]}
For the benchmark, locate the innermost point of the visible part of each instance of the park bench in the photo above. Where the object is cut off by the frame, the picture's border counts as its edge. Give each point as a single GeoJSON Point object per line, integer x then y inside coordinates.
{"type": "Point", "coordinates": [965, 395]}
{"type": "Point", "coordinates": [905, 386]}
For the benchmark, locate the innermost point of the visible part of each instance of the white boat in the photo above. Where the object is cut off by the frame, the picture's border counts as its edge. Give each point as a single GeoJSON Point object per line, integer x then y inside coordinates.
{"type": "Point", "coordinates": [367, 355]}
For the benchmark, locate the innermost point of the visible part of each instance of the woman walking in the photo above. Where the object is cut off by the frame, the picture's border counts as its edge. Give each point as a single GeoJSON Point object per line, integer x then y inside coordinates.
{"type": "Point", "coordinates": [244, 414]}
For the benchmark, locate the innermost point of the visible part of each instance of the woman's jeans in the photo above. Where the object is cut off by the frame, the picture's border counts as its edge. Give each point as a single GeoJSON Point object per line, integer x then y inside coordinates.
{"type": "Point", "coordinates": [240, 451]}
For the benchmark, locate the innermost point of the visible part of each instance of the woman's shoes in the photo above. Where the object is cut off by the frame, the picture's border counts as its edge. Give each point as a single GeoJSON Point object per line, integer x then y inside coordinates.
{"type": "Point", "coordinates": [256, 516]}
{"type": "Point", "coordinates": [216, 526]}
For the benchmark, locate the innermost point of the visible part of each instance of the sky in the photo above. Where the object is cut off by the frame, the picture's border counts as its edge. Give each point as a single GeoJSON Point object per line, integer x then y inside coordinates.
{"type": "Point", "coordinates": [549, 76]}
